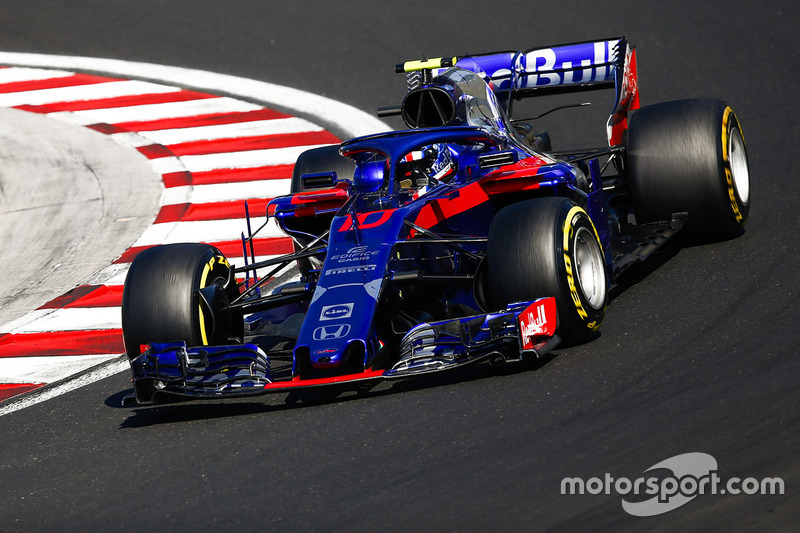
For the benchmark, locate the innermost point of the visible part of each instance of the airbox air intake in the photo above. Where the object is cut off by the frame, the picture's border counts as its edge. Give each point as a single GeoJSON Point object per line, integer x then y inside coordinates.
{"type": "Point", "coordinates": [428, 107]}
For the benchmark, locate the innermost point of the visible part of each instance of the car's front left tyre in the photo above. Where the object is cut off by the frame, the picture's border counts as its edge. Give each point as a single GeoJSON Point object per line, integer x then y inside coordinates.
{"type": "Point", "coordinates": [549, 247]}
{"type": "Point", "coordinates": [179, 292]}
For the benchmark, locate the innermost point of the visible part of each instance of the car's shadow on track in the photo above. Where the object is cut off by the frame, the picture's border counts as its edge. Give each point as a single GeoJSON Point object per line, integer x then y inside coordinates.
{"type": "Point", "coordinates": [640, 271]}
{"type": "Point", "coordinates": [144, 416]}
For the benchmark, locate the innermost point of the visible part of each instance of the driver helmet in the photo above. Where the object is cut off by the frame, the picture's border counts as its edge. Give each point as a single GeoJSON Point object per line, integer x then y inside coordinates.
{"type": "Point", "coordinates": [425, 166]}
{"type": "Point", "coordinates": [368, 177]}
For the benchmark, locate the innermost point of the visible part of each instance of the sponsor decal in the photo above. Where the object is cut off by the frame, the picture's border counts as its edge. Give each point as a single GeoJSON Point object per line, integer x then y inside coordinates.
{"type": "Point", "coordinates": [373, 219]}
{"type": "Point", "coordinates": [630, 86]}
{"type": "Point", "coordinates": [348, 270]}
{"type": "Point", "coordinates": [569, 234]}
{"type": "Point", "coordinates": [336, 312]}
{"type": "Point", "coordinates": [573, 290]}
{"type": "Point", "coordinates": [559, 65]}
{"type": "Point", "coordinates": [324, 351]}
{"type": "Point", "coordinates": [537, 320]}
{"type": "Point", "coordinates": [326, 333]}
{"type": "Point", "coordinates": [356, 253]}
{"type": "Point", "coordinates": [570, 64]}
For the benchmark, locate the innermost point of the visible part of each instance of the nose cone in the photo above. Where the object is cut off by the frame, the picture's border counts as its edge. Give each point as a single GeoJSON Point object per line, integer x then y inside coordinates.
{"type": "Point", "coordinates": [330, 342]}
{"type": "Point", "coordinates": [326, 358]}
{"type": "Point", "coordinates": [349, 356]}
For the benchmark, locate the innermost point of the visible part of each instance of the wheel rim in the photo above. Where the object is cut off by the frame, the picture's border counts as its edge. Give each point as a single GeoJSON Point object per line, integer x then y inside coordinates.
{"type": "Point", "coordinates": [590, 268]}
{"type": "Point", "coordinates": [740, 173]}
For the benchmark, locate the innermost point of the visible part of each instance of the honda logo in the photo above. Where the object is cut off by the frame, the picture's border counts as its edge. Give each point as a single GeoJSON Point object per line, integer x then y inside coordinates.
{"type": "Point", "coordinates": [326, 333]}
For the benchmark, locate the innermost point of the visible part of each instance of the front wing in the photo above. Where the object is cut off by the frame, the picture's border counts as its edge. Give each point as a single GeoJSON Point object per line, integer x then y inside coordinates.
{"type": "Point", "coordinates": [173, 371]}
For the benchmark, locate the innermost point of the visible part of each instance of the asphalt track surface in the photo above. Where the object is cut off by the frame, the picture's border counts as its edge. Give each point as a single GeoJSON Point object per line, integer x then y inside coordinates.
{"type": "Point", "coordinates": [698, 351]}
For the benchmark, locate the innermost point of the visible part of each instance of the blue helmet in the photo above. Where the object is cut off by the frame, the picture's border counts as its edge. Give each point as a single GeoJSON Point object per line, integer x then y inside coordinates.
{"type": "Point", "coordinates": [369, 177]}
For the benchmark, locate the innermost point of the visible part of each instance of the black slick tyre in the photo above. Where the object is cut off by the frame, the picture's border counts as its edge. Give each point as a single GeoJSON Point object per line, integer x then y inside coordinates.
{"type": "Point", "coordinates": [689, 156]}
{"type": "Point", "coordinates": [549, 247]}
{"type": "Point", "coordinates": [179, 292]}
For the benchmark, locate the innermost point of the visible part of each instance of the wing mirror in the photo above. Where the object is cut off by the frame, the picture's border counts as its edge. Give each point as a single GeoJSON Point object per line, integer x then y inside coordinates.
{"type": "Point", "coordinates": [319, 180]}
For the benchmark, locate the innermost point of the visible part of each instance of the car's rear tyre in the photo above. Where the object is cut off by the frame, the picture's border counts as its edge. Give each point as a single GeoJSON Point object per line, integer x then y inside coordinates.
{"type": "Point", "coordinates": [179, 292]}
{"type": "Point", "coordinates": [689, 156]}
{"type": "Point", "coordinates": [549, 247]}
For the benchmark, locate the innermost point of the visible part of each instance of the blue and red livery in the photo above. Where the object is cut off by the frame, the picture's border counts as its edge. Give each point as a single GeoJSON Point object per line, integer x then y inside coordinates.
{"type": "Point", "coordinates": [462, 239]}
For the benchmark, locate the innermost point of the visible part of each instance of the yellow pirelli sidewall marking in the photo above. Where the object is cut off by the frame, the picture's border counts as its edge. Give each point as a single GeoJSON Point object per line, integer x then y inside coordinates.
{"type": "Point", "coordinates": [726, 159]}
{"type": "Point", "coordinates": [207, 268]}
{"type": "Point", "coordinates": [568, 230]}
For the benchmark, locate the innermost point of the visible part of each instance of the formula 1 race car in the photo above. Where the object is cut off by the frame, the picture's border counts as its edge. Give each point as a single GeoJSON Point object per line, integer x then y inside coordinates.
{"type": "Point", "coordinates": [462, 239]}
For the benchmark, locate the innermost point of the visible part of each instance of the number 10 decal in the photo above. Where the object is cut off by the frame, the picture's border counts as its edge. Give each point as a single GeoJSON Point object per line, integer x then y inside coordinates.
{"type": "Point", "coordinates": [368, 220]}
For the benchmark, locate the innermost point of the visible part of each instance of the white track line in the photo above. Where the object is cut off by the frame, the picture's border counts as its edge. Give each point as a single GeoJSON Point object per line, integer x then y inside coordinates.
{"type": "Point", "coordinates": [147, 112]}
{"type": "Point", "coordinates": [225, 192]}
{"type": "Point", "coordinates": [102, 371]}
{"type": "Point", "coordinates": [66, 319]}
{"type": "Point", "coordinates": [246, 159]}
{"type": "Point", "coordinates": [78, 93]}
{"type": "Point", "coordinates": [202, 230]}
{"type": "Point", "coordinates": [16, 74]}
{"type": "Point", "coordinates": [114, 275]}
{"type": "Point", "coordinates": [351, 120]}
{"type": "Point", "coordinates": [47, 369]}
{"type": "Point", "coordinates": [278, 126]}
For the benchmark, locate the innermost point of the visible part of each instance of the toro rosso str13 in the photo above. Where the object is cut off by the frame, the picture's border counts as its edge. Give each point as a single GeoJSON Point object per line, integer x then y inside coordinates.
{"type": "Point", "coordinates": [461, 239]}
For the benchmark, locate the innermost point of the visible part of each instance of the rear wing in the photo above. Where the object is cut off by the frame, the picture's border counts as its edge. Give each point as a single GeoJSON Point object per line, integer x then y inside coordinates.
{"type": "Point", "coordinates": [604, 64]}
